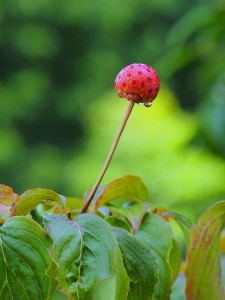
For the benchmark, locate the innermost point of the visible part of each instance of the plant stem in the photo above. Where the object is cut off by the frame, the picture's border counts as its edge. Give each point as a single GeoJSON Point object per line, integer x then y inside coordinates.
{"type": "Point", "coordinates": [36, 217]}
{"type": "Point", "coordinates": [109, 157]}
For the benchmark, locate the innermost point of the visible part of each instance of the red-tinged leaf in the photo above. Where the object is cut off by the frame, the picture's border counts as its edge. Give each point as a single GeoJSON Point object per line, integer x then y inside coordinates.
{"type": "Point", "coordinates": [203, 272]}
{"type": "Point", "coordinates": [7, 196]}
{"type": "Point", "coordinates": [134, 213]}
{"type": "Point", "coordinates": [32, 198]}
{"type": "Point", "coordinates": [128, 188]}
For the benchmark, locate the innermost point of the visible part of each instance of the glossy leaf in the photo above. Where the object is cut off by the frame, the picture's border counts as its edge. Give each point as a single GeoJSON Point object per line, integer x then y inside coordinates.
{"type": "Point", "coordinates": [26, 268]}
{"type": "Point", "coordinates": [203, 273]}
{"type": "Point", "coordinates": [85, 250]}
{"type": "Point", "coordinates": [127, 188]}
{"type": "Point", "coordinates": [157, 235]}
{"type": "Point", "coordinates": [134, 213]}
{"type": "Point", "coordinates": [140, 265]}
{"type": "Point", "coordinates": [32, 198]}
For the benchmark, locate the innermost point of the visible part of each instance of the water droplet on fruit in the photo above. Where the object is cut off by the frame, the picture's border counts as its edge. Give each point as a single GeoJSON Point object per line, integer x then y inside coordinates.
{"type": "Point", "coordinates": [148, 104]}
{"type": "Point", "coordinates": [140, 103]}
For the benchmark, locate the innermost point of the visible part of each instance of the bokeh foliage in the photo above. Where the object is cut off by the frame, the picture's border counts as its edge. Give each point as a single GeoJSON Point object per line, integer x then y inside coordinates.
{"type": "Point", "coordinates": [59, 59]}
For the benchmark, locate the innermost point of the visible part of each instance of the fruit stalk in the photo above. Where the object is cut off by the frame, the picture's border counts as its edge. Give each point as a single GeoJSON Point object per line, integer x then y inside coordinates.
{"type": "Point", "coordinates": [109, 157]}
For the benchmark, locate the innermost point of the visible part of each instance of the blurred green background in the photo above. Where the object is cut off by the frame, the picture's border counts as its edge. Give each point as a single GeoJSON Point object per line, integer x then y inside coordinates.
{"type": "Point", "coordinates": [59, 110]}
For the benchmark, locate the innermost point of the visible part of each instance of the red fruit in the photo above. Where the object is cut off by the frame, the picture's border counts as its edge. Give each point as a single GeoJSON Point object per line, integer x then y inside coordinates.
{"type": "Point", "coordinates": [138, 82]}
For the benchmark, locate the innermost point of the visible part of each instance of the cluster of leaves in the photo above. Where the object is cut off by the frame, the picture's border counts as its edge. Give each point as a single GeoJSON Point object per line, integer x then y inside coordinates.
{"type": "Point", "coordinates": [120, 249]}
{"type": "Point", "coordinates": [58, 58]}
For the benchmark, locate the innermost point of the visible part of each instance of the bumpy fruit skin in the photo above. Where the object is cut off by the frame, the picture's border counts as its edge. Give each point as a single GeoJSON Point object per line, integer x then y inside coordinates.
{"type": "Point", "coordinates": [137, 82]}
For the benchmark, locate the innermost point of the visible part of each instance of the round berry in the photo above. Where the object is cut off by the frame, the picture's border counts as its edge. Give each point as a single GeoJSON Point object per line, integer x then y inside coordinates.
{"type": "Point", "coordinates": [138, 82]}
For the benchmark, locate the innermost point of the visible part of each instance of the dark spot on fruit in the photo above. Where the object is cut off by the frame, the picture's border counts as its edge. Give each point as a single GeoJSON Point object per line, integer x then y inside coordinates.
{"type": "Point", "coordinates": [133, 82]}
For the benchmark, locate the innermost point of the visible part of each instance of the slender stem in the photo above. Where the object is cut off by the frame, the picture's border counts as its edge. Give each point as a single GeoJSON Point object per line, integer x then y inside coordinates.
{"type": "Point", "coordinates": [109, 157]}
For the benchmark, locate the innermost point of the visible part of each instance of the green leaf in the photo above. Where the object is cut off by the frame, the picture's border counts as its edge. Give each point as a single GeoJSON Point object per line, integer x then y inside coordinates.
{"type": "Point", "coordinates": [175, 260]}
{"type": "Point", "coordinates": [117, 221]}
{"type": "Point", "coordinates": [140, 265]}
{"type": "Point", "coordinates": [127, 188]}
{"type": "Point", "coordinates": [134, 213]}
{"type": "Point", "coordinates": [32, 198]}
{"type": "Point", "coordinates": [203, 273]}
{"type": "Point", "coordinates": [157, 235]}
{"type": "Point", "coordinates": [116, 288]}
{"type": "Point", "coordinates": [121, 276]}
{"type": "Point", "coordinates": [184, 222]}
{"type": "Point", "coordinates": [27, 270]}
{"type": "Point", "coordinates": [85, 250]}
